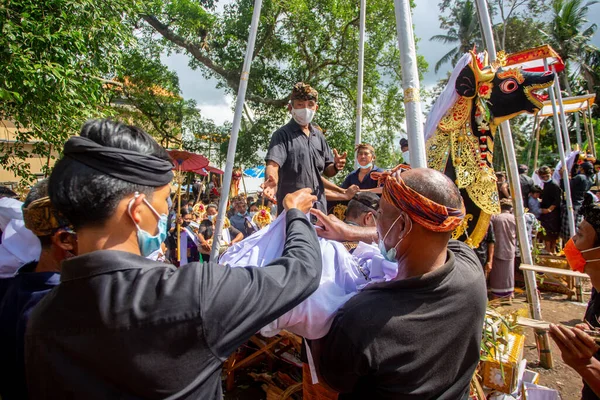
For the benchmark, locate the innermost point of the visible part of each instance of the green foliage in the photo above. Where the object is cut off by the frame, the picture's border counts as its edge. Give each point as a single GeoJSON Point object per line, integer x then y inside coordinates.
{"type": "Point", "coordinates": [310, 41]}
{"type": "Point", "coordinates": [55, 53]}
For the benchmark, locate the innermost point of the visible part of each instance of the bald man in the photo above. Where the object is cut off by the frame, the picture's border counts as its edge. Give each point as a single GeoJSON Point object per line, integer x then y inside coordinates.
{"type": "Point", "coordinates": [418, 336]}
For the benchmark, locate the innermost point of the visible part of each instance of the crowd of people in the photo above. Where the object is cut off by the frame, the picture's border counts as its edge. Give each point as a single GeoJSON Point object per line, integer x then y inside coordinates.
{"type": "Point", "coordinates": [122, 299]}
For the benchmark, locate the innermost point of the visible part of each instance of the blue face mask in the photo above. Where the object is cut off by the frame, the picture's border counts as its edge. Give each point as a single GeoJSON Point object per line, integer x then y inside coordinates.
{"type": "Point", "coordinates": [390, 255]}
{"type": "Point", "coordinates": [369, 165]}
{"type": "Point", "coordinates": [147, 242]}
{"type": "Point", "coordinates": [241, 214]}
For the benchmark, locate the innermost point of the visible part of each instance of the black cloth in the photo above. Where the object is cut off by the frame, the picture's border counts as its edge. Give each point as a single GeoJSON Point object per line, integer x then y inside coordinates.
{"type": "Point", "coordinates": [120, 326]}
{"type": "Point", "coordinates": [526, 184]}
{"type": "Point", "coordinates": [580, 185]}
{"type": "Point", "coordinates": [366, 183]}
{"type": "Point", "coordinates": [592, 314]}
{"type": "Point", "coordinates": [301, 159]}
{"type": "Point", "coordinates": [25, 290]}
{"type": "Point", "coordinates": [417, 338]}
{"type": "Point", "coordinates": [126, 165]}
{"type": "Point", "coordinates": [551, 196]}
{"type": "Point", "coordinates": [482, 250]}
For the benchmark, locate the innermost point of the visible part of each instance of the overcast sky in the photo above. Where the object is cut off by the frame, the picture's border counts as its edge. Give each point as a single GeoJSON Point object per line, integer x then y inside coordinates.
{"type": "Point", "coordinates": [216, 105]}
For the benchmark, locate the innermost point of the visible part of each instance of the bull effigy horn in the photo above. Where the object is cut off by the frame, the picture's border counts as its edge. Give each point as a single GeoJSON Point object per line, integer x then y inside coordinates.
{"type": "Point", "coordinates": [482, 73]}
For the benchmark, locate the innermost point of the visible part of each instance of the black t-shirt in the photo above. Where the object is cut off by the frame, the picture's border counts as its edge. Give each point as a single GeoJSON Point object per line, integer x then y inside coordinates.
{"type": "Point", "coordinates": [592, 314]}
{"type": "Point", "coordinates": [482, 250]}
{"type": "Point", "coordinates": [417, 338]}
{"type": "Point", "coordinates": [301, 159]}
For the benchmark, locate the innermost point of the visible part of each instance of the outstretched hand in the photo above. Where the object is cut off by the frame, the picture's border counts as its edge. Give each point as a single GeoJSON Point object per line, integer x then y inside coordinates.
{"type": "Point", "coordinates": [339, 160]}
{"type": "Point", "coordinates": [269, 186]}
{"type": "Point", "coordinates": [333, 227]}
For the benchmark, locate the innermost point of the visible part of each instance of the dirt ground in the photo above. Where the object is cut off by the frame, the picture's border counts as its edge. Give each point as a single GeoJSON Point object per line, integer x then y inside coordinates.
{"type": "Point", "coordinates": [555, 308]}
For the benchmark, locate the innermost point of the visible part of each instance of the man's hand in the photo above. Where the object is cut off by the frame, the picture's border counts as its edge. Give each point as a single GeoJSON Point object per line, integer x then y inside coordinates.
{"type": "Point", "coordinates": [351, 191]}
{"type": "Point", "coordinates": [339, 160]}
{"type": "Point", "coordinates": [487, 268]}
{"type": "Point", "coordinates": [333, 227]}
{"type": "Point", "coordinates": [301, 199]}
{"type": "Point", "coordinates": [576, 347]}
{"type": "Point", "coordinates": [269, 187]}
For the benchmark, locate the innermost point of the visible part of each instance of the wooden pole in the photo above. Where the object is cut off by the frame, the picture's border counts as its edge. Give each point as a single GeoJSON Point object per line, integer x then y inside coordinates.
{"type": "Point", "coordinates": [361, 60]}
{"type": "Point", "coordinates": [536, 120]}
{"type": "Point", "coordinates": [592, 130]}
{"type": "Point", "coordinates": [244, 184]}
{"type": "Point", "coordinates": [587, 131]}
{"type": "Point", "coordinates": [235, 129]}
{"type": "Point", "coordinates": [519, 211]}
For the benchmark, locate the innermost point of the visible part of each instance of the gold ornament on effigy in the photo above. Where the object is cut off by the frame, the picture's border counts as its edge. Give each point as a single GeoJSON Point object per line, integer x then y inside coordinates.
{"type": "Point", "coordinates": [340, 211]}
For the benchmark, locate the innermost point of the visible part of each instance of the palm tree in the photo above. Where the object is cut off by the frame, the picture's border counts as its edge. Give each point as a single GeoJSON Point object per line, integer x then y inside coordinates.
{"type": "Point", "coordinates": [463, 30]}
{"type": "Point", "coordinates": [566, 31]}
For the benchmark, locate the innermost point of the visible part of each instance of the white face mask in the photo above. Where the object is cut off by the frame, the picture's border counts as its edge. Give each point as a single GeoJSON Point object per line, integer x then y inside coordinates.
{"type": "Point", "coordinates": [303, 116]}
{"type": "Point", "coordinates": [390, 255]}
{"type": "Point", "coordinates": [406, 157]}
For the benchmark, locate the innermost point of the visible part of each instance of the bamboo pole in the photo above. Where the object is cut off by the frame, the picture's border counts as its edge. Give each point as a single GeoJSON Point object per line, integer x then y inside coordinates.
{"type": "Point", "coordinates": [587, 131]}
{"type": "Point", "coordinates": [562, 146]}
{"type": "Point", "coordinates": [561, 108]}
{"type": "Point", "coordinates": [361, 62]}
{"type": "Point", "coordinates": [235, 129]}
{"type": "Point", "coordinates": [537, 144]}
{"type": "Point", "coordinates": [244, 184]}
{"type": "Point", "coordinates": [513, 179]}
{"type": "Point", "coordinates": [592, 130]}
{"type": "Point", "coordinates": [536, 121]}
{"type": "Point", "coordinates": [410, 84]}
{"type": "Point", "coordinates": [577, 122]}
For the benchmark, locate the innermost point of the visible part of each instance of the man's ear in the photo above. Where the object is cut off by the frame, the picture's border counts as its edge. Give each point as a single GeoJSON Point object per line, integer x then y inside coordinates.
{"type": "Point", "coordinates": [369, 219]}
{"type": "Point", "coordinates": [466, 84]}
{"type": "Point", "coordinates": [289, 107]}
{"type": "Point", "coordinates": [65, 241]}
{"type": "Point", "coordinates": [135, 209]}
{"type": "Point", "coordinates": [316, 107]}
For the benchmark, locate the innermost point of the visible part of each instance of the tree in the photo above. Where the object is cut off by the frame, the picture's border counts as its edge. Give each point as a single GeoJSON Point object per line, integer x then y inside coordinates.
{"type": "Point", "coordinates": [463, 31]}
{"type": "Point", "coordinates": [311, 41]}
{"type": "Point", "coordinates": [55, 56]}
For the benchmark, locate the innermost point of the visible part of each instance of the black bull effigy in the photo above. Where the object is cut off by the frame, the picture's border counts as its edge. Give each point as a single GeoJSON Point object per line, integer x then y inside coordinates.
{"type": "Point", "coordinates": [462, 146]}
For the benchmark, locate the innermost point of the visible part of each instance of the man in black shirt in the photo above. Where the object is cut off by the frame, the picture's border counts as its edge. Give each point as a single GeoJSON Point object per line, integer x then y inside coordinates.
{"type": "Point", "coordinates": [120, 326]}
{"type": "Point", "coordinates": [417, 336]}
{"type": "Point", "coordinates": [298, 153]}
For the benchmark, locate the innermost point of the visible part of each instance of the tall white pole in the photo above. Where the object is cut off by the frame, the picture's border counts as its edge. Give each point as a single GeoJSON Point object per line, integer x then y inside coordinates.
{"type": "Point", "coordinates": [563, 117]}
{"type": "Point", "coordinates": [235, 129]}
{"type": "Point", "coordinates": [410, 84]}
{"type": "Point", "coordinates": [561, 151]}
{"type": "Point", "coordinates": [510, 160]}
{"type": "Point", "coordinates": [361, 66]}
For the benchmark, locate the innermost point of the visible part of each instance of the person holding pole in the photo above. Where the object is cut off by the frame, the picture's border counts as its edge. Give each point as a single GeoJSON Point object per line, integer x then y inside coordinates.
{"type": "Point", "coordinates": [298, 153]}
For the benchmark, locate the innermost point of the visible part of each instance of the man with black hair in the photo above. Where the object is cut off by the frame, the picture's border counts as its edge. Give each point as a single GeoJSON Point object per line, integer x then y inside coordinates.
{"type": "Point", "coordinates": [525, 182]}
{"type": "Point", "coordinates": [298, 153]}
{"type": "Point", "coordinates": [362, 208]}
{"type": "Point", "coordinates": [122, 326]}
{"type": "Point", "coordinates": [30, 284]}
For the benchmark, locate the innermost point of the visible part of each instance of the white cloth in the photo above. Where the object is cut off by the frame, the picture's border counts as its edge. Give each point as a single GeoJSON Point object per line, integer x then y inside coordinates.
{"type": "Point", "coordinates": [446, 100]}
{"type": "Point", "coordinates": [9, 209]}
{"type": "Point", "coordinates": [556, 176]}
{"type": "Point", "coordinates": [341, 277]}
{"type": "Point", "coordinates": [19, 246]}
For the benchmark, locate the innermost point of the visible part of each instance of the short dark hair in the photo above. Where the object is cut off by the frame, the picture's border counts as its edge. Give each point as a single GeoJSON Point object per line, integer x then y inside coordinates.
{"type": "Point", "coordinates": [6, 192]}
{"type": "Point", "coordinates": [523, 168]}
{"type": "Point", "coordinates": [362, 203]}
{"type": "Point", "coordinates": [87, 197]}
{"type": "Point", "coordinates": [506, 204]}
{"type": "Point", "coordinates": [536, 189]}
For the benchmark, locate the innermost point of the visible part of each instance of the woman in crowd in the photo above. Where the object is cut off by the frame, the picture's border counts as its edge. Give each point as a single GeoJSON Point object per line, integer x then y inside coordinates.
{"type": "Point", "coordinates": [550, 218]}
{"type": "Point", "coordinates": [229, 235]}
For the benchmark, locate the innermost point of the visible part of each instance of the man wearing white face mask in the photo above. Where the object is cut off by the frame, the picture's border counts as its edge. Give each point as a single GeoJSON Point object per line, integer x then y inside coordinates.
{"type": "Point", "coordinates": [404, 346]}
{"type": "Point", "coordinates": [122, 326]}
{"type": "Point", "coordinates": [298, 153]}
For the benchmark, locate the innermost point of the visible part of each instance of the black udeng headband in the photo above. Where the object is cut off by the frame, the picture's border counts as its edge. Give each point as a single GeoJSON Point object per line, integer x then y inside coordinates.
{"type": "Point", "coordinates": [126, 165]}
